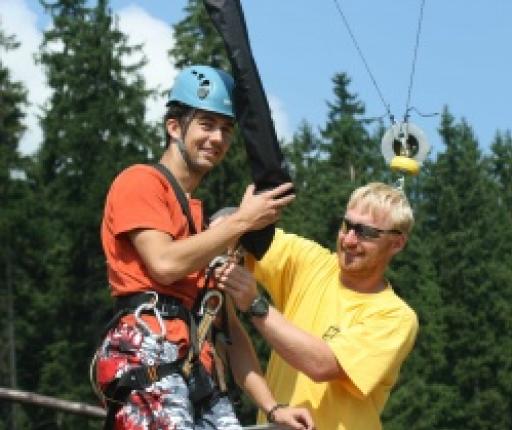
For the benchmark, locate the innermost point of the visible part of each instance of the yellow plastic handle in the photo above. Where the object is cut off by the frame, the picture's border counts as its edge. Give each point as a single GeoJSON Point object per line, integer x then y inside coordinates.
{"type": "Point", "coordinates": [405, 164]}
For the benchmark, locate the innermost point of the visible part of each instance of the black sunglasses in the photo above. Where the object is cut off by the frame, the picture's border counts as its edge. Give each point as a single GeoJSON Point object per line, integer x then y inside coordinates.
{"type": "Point", "coordinates": [364, 231]}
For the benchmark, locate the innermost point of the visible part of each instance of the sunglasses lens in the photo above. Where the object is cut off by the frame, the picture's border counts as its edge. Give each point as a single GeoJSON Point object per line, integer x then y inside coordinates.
{"type": "Point", "coordinates": [367, 232]}
{"type": "Point", "coordinates": [362, 231]}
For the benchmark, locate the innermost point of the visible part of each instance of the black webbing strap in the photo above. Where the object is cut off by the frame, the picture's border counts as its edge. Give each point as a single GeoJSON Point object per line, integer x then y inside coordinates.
{"type": "Point", "coordinates": [180, 194]}
{"type": "Point", "coordinates": [268, 167]}
{"type": "Point", "coordinates": [169, 307]}
{"type": "Point", "coordinates": [251, 105]}
{"type": "Point", "coordinates": [182, 199]}
{"type": "Point", "coordinates": [137, 378]}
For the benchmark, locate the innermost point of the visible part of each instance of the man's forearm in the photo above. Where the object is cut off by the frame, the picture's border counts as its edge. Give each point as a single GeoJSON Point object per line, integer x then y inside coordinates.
{"type": "Point", "coordinates": [307, 353]}
{"type": "Point", "coordinates": [246, 369]}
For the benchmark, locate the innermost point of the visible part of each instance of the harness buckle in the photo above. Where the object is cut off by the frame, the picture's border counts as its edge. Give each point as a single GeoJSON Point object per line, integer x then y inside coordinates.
{"type": "Point", "coordinates": [152, 374]}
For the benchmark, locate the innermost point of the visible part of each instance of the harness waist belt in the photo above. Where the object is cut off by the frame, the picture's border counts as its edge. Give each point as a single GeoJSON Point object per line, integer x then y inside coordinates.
{"type": "Point", "coordinates": [169, 307]}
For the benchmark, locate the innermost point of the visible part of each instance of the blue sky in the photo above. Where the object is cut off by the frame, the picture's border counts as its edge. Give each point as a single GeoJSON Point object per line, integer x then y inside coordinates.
{"type": "Point", "coordinates": [464, 57]}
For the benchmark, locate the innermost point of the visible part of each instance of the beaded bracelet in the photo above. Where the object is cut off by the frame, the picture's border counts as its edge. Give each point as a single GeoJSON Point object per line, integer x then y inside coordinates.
{"type": "Point", "coordinates": [270, 414]}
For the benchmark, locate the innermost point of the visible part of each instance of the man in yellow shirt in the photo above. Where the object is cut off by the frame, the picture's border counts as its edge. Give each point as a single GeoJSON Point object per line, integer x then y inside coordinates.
{"type": "Point", "coordinates": [338, 331]}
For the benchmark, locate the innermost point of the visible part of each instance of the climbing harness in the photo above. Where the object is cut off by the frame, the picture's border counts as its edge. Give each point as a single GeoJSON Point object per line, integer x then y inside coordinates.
{"type": "Point", "coordinates": [404, 145]}
{"type": "Point", "coordinates": [200, 383]}
{"type": "Point", "coordinates": [144, 375]}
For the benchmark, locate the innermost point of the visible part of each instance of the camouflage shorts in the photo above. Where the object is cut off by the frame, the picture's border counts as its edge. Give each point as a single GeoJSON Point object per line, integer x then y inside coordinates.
{"type": "Point", "coordinates": [165, 404]}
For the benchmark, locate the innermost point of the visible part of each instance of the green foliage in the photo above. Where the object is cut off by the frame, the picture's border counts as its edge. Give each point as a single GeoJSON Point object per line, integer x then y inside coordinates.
{"type": "Point", "coordinates": [345, 157]}
{"type": "Point", "coordinates": [93, 126]}
{"type": "Point", "coordinates": [460, 202]}
{"type": "Point", "coordinates": [14, 195]}
{"type": "Point", "coordinates": [306, 213]}
{"type": "Point", "coordinates": [501, 166]}
{"type": "Point", "coordinates": [197, 40]}
{"type": "Point", "coordinates": [455, 271]}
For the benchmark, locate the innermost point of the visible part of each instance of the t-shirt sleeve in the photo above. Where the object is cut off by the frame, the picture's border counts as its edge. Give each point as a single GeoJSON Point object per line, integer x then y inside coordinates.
{"type": "Point", "coordinates": [369, 350]}
{"type": "Point", "coordinates": [138, 199]}
{"type": "Point", "coordinates": [288, 256]}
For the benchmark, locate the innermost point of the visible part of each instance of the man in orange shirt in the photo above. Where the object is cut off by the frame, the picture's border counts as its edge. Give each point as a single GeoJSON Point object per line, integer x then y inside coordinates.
{"type": "Point", "coordinates": [156, 247]}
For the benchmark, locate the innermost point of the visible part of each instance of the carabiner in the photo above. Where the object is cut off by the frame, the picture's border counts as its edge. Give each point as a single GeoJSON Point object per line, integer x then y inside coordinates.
{"type": "Point", "coordinates": [151, 306]}
{"type": "Point", "coordinates": [204, 303]}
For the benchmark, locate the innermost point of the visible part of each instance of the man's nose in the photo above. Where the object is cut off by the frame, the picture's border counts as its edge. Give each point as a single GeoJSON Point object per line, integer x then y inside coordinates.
{"type": "Point", "coordinates": [350, 237]}
{"type": "Point", "coordinates": [216, 134]}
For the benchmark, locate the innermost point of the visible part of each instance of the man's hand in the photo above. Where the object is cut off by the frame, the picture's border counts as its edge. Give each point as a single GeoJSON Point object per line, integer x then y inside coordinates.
{"type": "Point", "coordinates": [262, 209]}
{"type": "Point", "coordinates": [294, 418]}
{"type": "Point", "coordinates": [239, 283]}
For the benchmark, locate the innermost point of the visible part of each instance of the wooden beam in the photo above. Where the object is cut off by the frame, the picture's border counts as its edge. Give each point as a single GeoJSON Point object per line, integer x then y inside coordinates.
{"type": "Point", "coordinates": [52, 402]}
{"type": "Point", "coordinates": [77, 408]}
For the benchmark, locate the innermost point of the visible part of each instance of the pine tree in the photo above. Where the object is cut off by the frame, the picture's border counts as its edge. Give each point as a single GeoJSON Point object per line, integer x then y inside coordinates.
{"type": "Point", "coordinates": [467, 233]}
{"type": "Point", "coordinates": [93, 126]}
{"type": "Point", "coordinates": [352, 156]}
{"type": "Point", "coordinates": [501, 165]}
{"type": "Point", "coordinates": [309, 170]}
{"type": "Point", "coordinates": [420, 396]}
{"type": "Point", "coordinates": [14, 195]}
{"type": "Point", "coordinates": [197, 40]}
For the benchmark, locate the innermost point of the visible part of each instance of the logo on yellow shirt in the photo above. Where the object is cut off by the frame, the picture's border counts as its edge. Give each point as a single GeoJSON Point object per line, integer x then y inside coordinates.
{"type": "Point", "coordinates": [330, 332]}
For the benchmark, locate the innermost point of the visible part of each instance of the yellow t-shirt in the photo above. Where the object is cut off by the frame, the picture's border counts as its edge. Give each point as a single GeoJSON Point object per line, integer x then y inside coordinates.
{"type": "Point", "coordinates": [370, 334]}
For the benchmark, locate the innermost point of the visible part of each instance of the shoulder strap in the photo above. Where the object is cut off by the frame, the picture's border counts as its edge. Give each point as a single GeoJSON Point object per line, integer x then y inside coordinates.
{"type": "Point", "coordinates": [180, 194]}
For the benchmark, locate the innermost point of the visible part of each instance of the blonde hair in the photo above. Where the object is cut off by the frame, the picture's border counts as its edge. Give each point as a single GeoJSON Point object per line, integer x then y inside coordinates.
{"type": "Point", "coordinates": [377, 197]}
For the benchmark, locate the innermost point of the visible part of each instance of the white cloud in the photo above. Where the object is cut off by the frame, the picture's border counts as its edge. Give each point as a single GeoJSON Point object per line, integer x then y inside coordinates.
{"type": "Point", "coordinates": [19, 20]}
{"type": "Point", "coordinates": [156, 35]}
{"type": "Point", "coordinates": [140, 27]}
{"type": "Point", "coordinates": [280, 117]}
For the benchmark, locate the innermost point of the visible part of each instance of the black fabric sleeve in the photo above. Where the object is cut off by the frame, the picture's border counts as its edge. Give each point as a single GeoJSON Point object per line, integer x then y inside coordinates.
{"type": "Point", "coordinates": [251, 106]}
{"type": "Point", "coordinates": [252, 111]}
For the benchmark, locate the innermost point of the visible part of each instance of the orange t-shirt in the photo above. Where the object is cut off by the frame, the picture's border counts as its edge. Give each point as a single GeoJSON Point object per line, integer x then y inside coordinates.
{"type": "Point", "coordinates": [142, 198]}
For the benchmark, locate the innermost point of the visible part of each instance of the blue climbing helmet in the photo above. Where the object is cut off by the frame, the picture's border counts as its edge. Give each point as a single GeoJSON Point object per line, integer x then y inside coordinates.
{"type": "Point", "coordinates": [205, 88]}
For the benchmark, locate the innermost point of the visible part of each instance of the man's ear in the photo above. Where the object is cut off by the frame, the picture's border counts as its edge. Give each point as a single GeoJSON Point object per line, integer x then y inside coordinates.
{"type": "Point", "coordinates": [398, 243]}
{"type": "Point", "coordinates": [173, 127]}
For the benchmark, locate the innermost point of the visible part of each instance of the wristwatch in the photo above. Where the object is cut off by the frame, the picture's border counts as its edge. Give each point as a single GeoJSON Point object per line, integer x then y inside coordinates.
{"type": "Point", "coordinates": [259, 307]}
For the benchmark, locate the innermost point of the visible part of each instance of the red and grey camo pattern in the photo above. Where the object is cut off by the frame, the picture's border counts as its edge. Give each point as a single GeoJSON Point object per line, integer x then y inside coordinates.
{"type": "Point", "coordinates": [165, 404]}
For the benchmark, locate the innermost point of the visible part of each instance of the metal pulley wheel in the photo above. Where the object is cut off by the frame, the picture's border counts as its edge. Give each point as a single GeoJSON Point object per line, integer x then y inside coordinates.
{"type": "Point", "coordinates": [404, 147]}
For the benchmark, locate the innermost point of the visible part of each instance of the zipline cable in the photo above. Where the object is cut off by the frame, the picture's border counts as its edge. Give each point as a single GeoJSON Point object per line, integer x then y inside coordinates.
{"type": "Point", "coordinates": [360, 52]}
{"type": "Point", "coordinates": [413, 68]}
{"type": "Point", "coordinates": [367, 67]}
{"type": "Point", "coordinates": [403, 145]}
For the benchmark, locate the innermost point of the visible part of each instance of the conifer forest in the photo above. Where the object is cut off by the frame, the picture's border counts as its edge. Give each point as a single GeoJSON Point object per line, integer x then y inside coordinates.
{"type": "Point", "coordinates": [456, 270]}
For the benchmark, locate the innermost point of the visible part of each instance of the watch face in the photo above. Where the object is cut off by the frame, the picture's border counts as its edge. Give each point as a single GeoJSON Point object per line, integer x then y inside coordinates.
{"type": "Point", "coordinates": [259, 307]}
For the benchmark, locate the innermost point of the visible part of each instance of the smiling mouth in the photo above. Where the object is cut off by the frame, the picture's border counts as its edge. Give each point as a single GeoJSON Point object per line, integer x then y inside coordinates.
{"type": "Point", "coordinates": [210, 153]}
{"type": "Point", "coordinates": [350, 255]}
